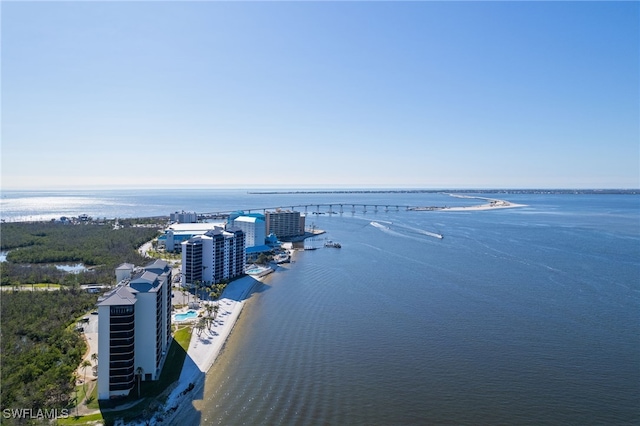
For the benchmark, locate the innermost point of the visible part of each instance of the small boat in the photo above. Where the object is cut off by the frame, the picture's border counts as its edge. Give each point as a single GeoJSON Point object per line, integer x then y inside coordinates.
{"type": "Point", "coordinates": [332, 244]}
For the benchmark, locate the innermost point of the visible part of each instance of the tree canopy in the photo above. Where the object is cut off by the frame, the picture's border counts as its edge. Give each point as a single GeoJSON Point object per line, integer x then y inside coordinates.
{"type": "Point", "coordinates": [40, 352]}
{"type": "Point", "coordinates": [34, 246]}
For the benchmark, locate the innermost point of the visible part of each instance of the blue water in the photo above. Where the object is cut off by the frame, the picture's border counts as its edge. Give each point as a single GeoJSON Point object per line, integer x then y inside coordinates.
{"type": "Point", "coordinates": [74, 269]}
{"type": "Point", "coordinates": [518, 316]}
{"type": "Point", "coordinates": [47, 205]}
{"type": "Point", "coordinates": [185, 316]}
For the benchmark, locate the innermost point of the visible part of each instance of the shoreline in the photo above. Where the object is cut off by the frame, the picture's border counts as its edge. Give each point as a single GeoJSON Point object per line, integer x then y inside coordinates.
{"type": "Point", "coordinates": [493, 204]}
{"type": "Point", "coordinates": [204, 349]}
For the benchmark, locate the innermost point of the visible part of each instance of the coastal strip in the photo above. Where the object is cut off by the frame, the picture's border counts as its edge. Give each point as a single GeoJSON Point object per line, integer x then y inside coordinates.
{"type": "Point", "coordinates": [205, 348]}
{"type": "Point", "coordinates": [492, 204]}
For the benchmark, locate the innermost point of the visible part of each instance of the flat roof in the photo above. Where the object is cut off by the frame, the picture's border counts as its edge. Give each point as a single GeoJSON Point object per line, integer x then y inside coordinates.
{"type": "Point", "coordinates": [196, 227]}
{"type": "Point", "coordinates": [249, 219]}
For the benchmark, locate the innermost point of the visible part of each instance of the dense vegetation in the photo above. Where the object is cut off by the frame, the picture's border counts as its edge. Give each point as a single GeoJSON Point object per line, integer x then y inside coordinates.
{"type": "Point", "coordinates": [35, 245]}
{"type": "Point", "coordinates": [40, 352]}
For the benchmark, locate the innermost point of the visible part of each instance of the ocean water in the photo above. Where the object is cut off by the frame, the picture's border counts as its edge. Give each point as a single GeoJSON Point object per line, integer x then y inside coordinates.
{"type": "Point", "coordinates": [518, 316]}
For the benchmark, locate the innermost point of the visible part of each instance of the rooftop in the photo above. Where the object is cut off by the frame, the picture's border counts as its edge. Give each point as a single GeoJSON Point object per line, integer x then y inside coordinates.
{"type": "Point", "coordinates": [121, 295]}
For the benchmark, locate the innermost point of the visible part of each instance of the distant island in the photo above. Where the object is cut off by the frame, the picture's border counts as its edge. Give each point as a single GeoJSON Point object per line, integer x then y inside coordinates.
{"type": "Point", "coordinates": [456, 191]}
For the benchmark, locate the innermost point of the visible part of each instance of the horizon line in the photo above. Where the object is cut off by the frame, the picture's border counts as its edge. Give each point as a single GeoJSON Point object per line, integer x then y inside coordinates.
{"type": "Point", "coordinates": [317, 187]}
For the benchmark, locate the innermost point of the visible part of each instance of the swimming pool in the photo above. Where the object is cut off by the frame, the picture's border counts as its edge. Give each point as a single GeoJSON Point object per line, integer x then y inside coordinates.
{"type": "Point", "coordinates": [185, 316]}
{"type": "Point", "coordinates": [259, 271]}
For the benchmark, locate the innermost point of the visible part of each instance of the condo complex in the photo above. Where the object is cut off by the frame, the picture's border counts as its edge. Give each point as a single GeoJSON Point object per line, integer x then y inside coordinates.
{"type": "Point", "coordinates": [134, 318]}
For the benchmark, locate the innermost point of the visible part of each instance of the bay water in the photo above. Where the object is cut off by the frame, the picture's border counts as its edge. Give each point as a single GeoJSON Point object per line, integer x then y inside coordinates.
{"type": "Point", "coordinates": [528, 315]}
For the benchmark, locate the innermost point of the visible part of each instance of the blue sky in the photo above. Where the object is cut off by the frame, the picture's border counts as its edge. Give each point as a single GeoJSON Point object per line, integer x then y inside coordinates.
{"type": "Point", "coordinates": [358, 94]}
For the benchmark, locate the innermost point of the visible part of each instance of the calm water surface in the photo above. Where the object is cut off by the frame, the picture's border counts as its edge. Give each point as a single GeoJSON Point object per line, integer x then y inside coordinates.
{"type": "Point", "coordinates": [524, 316]}
{"type": "Point", "coordinates": [520, 316]}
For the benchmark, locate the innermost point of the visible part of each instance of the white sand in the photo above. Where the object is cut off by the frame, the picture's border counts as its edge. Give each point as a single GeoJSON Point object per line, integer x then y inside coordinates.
{"type": "Point", "coordinates": [204, 349]}
{"type": "Point", "coordinates": [491, 205]}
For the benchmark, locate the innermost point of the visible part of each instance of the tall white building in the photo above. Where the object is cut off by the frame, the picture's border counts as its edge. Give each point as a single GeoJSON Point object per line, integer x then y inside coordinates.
{"type": "Point", "coordinates": [214, 256]}
{"type": "Point", "coordinates": [134, 328]}
{"type": "Point", "coordinates": [184, 217]}
{"type": "Point", "coordinates": [254, 229]}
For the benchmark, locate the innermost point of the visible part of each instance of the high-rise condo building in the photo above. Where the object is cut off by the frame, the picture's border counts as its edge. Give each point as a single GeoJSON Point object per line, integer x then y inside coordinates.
{"type": "Point", "coordinates": [134, 328]}
{"type": "Point", "coordinates": [214, 256]}
{"type": "Point", "coordinates": [284, 223]}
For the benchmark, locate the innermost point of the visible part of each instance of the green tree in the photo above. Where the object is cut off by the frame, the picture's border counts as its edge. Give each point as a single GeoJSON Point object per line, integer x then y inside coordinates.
{"type": "Point", "coordinates": [139, 372]}
{"type": "Point", "coordinates": [86, 363]}
{"type": "Point", "coordinates": [200, 326]}
{"type": "Point", "coordinates": [209, 310]}
{"type": "Point", "coordinates": [216, 308]}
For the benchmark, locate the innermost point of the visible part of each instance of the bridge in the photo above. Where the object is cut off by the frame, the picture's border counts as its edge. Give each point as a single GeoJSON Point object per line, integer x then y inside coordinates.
{"type": "Point", "coordinates": [324, 208]}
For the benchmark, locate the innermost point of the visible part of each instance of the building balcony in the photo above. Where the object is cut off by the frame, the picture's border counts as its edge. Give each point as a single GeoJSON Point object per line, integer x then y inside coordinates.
{"type": "Point", "coordinates": [121, 372]}
{"type": "Point", "coordinates": [121, 364]}
{"type": "Point", "coordinates": [116, 343]}
{"type": "Point", "coordinates": [129, 319]}
{"type": "Point", "coordinates": [127, 334]}
{"type": "Point", "coordinates": [119, 328]}
{"type": "Point", "coordinates": [121, 356]}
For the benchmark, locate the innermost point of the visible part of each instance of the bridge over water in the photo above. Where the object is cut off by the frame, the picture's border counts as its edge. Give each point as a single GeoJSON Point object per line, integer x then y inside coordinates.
{"type": "Point", "coordinates": [326, 208]}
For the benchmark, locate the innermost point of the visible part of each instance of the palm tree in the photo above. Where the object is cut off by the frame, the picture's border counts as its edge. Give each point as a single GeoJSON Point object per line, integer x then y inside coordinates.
{"type": "Point", "coordinates": [200, 325]}
{"type": "Point", "coordinates": [139, 372]}
{"type": "Point", "coordinates": [86, 363]}
{"type": "Point", "coordinates": [94, 358]}
{"type": "Point", "coordinates": [216, 308]}
{"type": "Point", "coordinates": [185, 293]}
{"type": "Point", "coordinates": [220, 287]}
{"type": "Point", "coordinates": [195, 286]}
{"type": "Point", "coordinates": [209, 309]}
{"type": "Point", "coordinates": [75, 380]}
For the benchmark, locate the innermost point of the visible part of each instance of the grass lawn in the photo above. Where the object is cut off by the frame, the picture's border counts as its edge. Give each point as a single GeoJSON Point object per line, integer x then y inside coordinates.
{"type": "Point", "coordinates": [82, 420]}
{"type": "Point", "coordinates": [172, 365]}
{"type": "Point", "coordinates": [150, 391]}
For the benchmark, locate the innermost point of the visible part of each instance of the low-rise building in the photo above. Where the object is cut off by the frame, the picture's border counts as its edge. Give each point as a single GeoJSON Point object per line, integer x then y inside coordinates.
{"type": "Point", "coordinates": [178, 233]}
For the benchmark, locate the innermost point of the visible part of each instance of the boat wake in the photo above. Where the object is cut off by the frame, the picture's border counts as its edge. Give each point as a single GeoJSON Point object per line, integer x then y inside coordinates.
{"type": "Point", "coordinates": [432, 234]}
{"type": "Point", "coordinates": [378, 225]}
{"type": "Point", "coordinates": [416, 230]}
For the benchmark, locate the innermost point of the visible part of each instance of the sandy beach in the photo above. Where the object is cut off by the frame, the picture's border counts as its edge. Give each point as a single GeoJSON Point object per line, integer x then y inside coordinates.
{"type": "Point", "coordinates": [204, 349]}
{"type": "Point", "coordinates": [492, 204]}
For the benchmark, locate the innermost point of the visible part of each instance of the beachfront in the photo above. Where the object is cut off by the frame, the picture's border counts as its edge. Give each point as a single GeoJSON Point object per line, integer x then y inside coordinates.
{"type": "Point", "coordinates": [204, 348]}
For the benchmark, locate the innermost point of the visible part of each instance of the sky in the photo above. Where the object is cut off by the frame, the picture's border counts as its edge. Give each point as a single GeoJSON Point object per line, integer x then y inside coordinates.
{"type": "Point", "coordinates": [418, 94]}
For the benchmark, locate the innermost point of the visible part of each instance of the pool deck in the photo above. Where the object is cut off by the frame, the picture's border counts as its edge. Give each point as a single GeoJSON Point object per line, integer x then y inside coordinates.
{"type": "Point", "coordinates": [186, 319]}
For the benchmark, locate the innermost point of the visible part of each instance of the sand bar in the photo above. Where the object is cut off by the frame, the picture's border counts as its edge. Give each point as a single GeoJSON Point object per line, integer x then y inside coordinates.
{"type": "Point", "coordinates": [492, 204]}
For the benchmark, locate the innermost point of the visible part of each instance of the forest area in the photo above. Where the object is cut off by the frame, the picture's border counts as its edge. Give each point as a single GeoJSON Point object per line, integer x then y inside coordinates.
{"type": "Point", "coordinates": [40, 347]}
{"type": "Point", "coordinates": [35, 247]}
